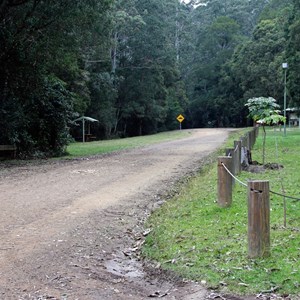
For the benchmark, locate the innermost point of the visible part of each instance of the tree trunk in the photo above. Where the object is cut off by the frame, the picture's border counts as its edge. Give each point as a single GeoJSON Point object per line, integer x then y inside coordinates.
{"type": "Point", "coordinates": [114, 53]}
{"type": "Point", "coordinates": [118, 118]}
{"type": "Point", "coordinates": [177, 41]}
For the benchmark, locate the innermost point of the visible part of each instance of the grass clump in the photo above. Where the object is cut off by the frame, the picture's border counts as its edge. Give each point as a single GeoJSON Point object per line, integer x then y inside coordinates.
{"type": "Point", "coordinates": [194, 237]}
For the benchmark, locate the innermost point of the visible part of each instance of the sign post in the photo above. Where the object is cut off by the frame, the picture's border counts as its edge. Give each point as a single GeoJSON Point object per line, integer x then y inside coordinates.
{"type": "Point", "coordinates": [284, 66]}
{"type": "Point", "coordinates": [180, 119]}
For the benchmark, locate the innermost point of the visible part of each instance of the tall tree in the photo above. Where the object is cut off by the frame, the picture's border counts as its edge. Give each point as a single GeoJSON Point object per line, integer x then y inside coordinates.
{"type": "Point", "coordinates": [150, 69]}
{"type": "Point", "coordinates": [293, 54]}
{"type": "Point", "coordinates": [218, 27]}
{"type": "Point", "coordinates": [215, 48]}
{"type": "Point", "coordinates": [256, 64]}
{"type": "Point", "coordinates": [224, 77]}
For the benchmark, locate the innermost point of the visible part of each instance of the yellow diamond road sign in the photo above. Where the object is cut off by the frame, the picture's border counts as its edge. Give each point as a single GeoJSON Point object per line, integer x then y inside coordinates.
{"type": "Point", "coordinates": [180, 118]}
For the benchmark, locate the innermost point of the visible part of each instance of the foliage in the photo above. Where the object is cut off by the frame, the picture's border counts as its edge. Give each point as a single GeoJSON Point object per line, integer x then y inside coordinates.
{"type": "Point", "coordinates": [222, 81]}
{"type": "Point", "coordinates": [212, 87]}
{"type": "Point", "coordinates": [151, 79]}
{"type": "Point", "coordinates": [257, 63]}
{"type": "Point", "coordinates": [264, 111]}
{"type": "Point", "coordinates": [198, 240]}
{"type": "Point", "coordinates": [293, 54]}
{"type": "Point", "coordinates": [42, 80]}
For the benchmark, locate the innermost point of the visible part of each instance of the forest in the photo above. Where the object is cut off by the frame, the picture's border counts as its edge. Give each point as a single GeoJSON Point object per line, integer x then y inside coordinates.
{"type": "Point", "coordinates": [135, 65]}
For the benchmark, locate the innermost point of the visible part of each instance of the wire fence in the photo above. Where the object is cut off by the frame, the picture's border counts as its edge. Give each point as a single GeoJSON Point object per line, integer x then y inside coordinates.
{"type": "Point", "coordinates": [229, 167]}
{"type": "Point", "coordinates": [241, 154]}
{"type": "Point", "coordinates": [244, 184]}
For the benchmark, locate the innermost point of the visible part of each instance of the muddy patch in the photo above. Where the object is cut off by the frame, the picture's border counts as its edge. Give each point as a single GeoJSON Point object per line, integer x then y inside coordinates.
{"type": "Point", "coordinates": [256, 167]}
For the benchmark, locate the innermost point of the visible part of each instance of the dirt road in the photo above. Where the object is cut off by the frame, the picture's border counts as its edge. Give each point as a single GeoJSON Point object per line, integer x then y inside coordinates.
{"type": "Point", "coordinates": [70, 230]}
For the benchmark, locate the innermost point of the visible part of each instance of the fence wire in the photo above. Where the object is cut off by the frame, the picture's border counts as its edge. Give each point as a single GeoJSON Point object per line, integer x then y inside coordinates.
{"type": "Point", "coordinates": [244, 184]}
{"type": "Point", "coordinates": [234, 177]}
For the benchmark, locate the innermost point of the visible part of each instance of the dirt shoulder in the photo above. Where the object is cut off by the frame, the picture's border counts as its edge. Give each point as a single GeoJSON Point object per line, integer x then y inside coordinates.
{"type": "Point", "coordinates": [71, 230]}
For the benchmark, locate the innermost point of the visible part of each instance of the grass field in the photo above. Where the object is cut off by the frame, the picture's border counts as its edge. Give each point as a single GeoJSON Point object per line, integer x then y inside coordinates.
{"type": "Point", "coordinates": [108, 146]}
{"type": "Point", "coordinates": [194, 237]}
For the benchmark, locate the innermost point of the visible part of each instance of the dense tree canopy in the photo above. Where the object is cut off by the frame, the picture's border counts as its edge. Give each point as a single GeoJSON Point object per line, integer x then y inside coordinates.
{"type": "Point", "coordinates": [42, 72]}
{"type": "Point", "coordinates": [135, 65]}
{"type": "Point", "coordinates": [293, 54]}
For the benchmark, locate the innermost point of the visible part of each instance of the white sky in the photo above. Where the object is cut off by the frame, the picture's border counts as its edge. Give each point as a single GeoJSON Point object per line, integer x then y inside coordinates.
{"type": "Point", "coordinates": [187, 1]}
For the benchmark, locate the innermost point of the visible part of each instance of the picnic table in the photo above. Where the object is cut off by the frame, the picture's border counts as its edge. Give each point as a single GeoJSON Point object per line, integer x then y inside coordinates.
{"type": "Point", "coordinates": [10, 150]}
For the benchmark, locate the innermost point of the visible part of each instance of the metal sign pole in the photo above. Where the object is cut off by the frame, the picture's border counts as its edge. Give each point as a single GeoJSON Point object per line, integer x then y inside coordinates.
{"type": "Point", "coordinates": [284, 66]}
{"type": "Point", "coordinates": [180, 119]}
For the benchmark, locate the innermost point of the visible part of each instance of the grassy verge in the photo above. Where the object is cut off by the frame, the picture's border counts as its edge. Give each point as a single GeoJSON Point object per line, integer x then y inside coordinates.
{"type": "Point", "coordinates": [107, 146]}
{"type": "Point", "coordinates": [192, 236]}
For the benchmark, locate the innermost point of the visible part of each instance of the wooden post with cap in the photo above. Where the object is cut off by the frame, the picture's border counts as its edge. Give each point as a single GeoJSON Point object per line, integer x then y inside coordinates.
{"type": "Point", "coordinates": [258, 219]}
{"type": "Point", "coordinates": [225, 181]}
{"type": "Point", "coordinates": [238, 164]}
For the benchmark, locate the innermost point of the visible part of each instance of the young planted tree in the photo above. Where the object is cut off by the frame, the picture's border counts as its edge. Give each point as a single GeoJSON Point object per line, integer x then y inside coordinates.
{"type": "Point", "coordinates": [264, 110]}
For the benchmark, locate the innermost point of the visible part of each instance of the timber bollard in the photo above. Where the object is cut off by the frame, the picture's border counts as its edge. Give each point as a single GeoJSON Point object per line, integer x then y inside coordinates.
{"type": "Point", "coordinates": [258, 219]}
{"type": "Point", "coordinates": [252, 136]}
{"type": "Point", "coordinates": [231, 153]}
{"type": "Point", "coordinates": [256, 131]}
{"type": "Point", "coordinates": [224, 181]}
{"type": "Point", "coordinates": [238, 150]}
{"type": "Point", "coordinates": [248, 134]}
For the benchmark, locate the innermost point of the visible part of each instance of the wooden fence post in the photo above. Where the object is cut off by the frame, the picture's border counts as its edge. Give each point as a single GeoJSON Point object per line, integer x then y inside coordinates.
{"type": "Point", "coordinates": [231, 153]}
{"type": "Point", "coordinates": [246, 141]}
{"type": "Point", "coordinates": [224, 181]}
{"type": "Point", "coordinates": [249, 140]}
{"type": "Point", "coordinates": [253, 138]}
{"type": "Point", "coordinates": [258, 219]}
{"type": "Point", "coordinates": [238, 163]}
{"type": "Point", "coordinates": [256, 131]}
{"type": "Point", "coordinates": [244, 156]}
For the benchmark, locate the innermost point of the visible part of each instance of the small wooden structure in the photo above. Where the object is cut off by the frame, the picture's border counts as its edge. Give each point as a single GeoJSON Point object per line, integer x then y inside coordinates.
{"type": "Point", "coordinates": [293, 116]}
{"type": "Point", "coordinates": [8, 149]}
{"type": "Point", "coordinates": [86, 136]}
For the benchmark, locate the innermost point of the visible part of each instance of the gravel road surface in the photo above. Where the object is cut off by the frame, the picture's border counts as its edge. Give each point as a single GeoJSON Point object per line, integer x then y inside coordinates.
{"type": "Point", "coordinates": [72, 229]}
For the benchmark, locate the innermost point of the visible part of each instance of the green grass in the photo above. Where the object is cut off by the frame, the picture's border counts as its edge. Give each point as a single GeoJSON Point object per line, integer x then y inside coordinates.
{"type": "Point", "coordinates": [194, 237]}
{"type": "Point", "coordinates": [108, 146]}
